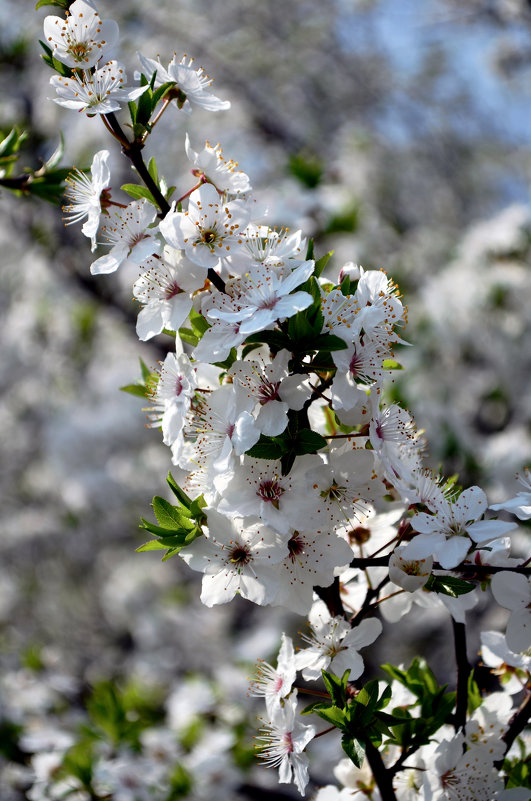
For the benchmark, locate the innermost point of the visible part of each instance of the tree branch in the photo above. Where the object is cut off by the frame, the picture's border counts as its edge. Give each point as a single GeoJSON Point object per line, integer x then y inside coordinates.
{"type": "Point", "coordinates": [382, 776]}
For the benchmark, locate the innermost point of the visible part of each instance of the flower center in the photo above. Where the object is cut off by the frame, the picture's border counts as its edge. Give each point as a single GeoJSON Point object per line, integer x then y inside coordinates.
{"type": "Point", "coordinates": [209, 237]}
{"type": "Point", "coordinates": [240, 555]}
{"type": "Point", "coordinates": [268, 392]}
{"type": "Point", "coordinates": [359, 535]}
{"type": "Point", "coordinates": [271, 491]}
{"type": "Point", "coordinates": [172, 289]}
{"type": "Point", "coordinates": [296, 546]}
{"type": "Point", "coordinates": [78, 51]}
{"type": "Point", "coordinates": [333, 493]}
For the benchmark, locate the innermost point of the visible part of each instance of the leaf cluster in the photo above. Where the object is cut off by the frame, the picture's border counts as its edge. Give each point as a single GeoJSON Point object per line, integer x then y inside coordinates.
{"type": "Point", "coordinates": [47, 182]}
{"type": "Point", "coordinates": [434, 703]}
{"type": "Point", "coordinates": [358, 715]}
{"type": "Point", "coordinates": [177, 524]}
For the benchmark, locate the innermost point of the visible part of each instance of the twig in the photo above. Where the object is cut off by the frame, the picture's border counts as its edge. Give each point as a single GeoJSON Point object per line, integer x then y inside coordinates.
{"type": "Point", "coordinates": [517, 724]}
{"type": "Point", "coordinates": [382, 776]}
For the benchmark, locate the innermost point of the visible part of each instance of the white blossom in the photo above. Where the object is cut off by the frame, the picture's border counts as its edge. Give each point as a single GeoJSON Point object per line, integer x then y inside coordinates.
{"type": "Point", "coordinates": [82, 39]}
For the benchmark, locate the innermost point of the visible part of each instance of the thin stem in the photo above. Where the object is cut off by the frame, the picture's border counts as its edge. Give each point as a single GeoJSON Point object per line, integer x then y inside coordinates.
{"type": "Point", "coordinates": [463, 672]}
{"type": "Point", "coordinates": [382, 776]}
{"type": "Point", "coordinates": [166, 102]}
{"type": "Point", "coordinates": [344, 436]}
{"type": "Point", "coordinates": [187, 194]}
{"type": "Point", "coordinates": [517, 724]}
{"type": "Point", "coordinates": [132, 151]}
{"type": "Point", "coordinates": [472, 570]}
{"type": "Point", "coordinates": [372, 594]}
{"type": "Point", "coordinates": [332, 598]}
{"type": "Point", "coordinates": [317, 693]}
{"type": "Point", "coordinates": [325, 731]}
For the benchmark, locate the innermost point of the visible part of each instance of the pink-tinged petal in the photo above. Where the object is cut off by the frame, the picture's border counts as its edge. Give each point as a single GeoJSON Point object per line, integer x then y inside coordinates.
{"type": "Point", "coordinates": [149, 322]}
{"type": "Point", "coordinates": [518, 633]}
{"type": "Point", "coordinates": [485, 530]}
{"type": "Point", "coordinates": [511, 590]}
{"type": "Point", "coordinates": [470, 505]}
{"type": "Point", "coordinates": [453, 552]}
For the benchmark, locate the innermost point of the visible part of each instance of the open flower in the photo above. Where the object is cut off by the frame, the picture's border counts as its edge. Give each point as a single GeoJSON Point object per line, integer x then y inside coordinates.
{"type": "Point", "coordinates": [236, 558]}
{"type": "Point", "coordinates": [126, 232]}
{"type": "Point", "coordinates": [82, 39]}
{"type": "Point", "coordinates": [282, 741]}
{"type": "Point", "coordinates": [84, 194]}
{"type": "Point", "coordinates": [99, 92]}
{"type": "Point", "coordinates": [192, 83]}
{"type": "Point", "coordinates": [165, 290]}
{"type": "Point", "coordinates": [275, 683]}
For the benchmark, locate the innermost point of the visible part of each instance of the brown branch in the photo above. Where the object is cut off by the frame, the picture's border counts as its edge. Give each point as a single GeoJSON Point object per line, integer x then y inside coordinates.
{"type": "Point", "coordinates": [517, 724]}
{"type": "Point", "coordinates": [382, 776]}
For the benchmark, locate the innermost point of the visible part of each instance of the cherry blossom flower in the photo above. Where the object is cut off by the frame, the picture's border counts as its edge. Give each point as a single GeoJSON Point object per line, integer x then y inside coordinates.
{"type": "Point", "coordinates": [513, 591]}
{"type": "Point", "coordinates": [395, 440]}
{"type": "Point", "coordinates": [409, 574]}
{"type": "Point", "coordinates": [273, 388]}
{"type": "Point", "coordinates": [165, 289]}
{"type": "Point", "coordinates": [282, 741]}
{"type": "Point", "coordinates": [221, 426]}
{"type": "Point", "coordinates": [222, 173]}
{"type": "Point", "coordinates": [311, 562]}
{"type": "Point", "coordinates": [84, 194]}
{"type": "Point", "coordinates": [82, 39]}
{"type": "Point", "coordinates": [275, 683]}
{"type": "Point", "coordinates": [173, 396]}
{"type": "Point", "coordinates": [333, 640]}
{"type": "Point", "coordinates": [127, 235]}
{"type": "Point", "coordinates": [209, 229]}
{"type": "Point", "coordinates": [256, 487]}
{"type": "Point", "coordinates": [521, 504]}
{"type": "Point", "coordinates": [261, 297]}
{"type": "Point", "coordinates": [450, 533]}
{"type": "Point", "coordinates": [276, 248]}
{"type": "Point", "coordinates": [505, 663]}
{"type": "Point", "coordinates": [99, 92]}
{"type": "Point", "coordinates": [191, 83]}
{"type": "Point", "coordinates": [345, 486]}
{"type": "Point", "coordinates": [218, 341]}
{"type": "Point", "coordinates": [236, 558]}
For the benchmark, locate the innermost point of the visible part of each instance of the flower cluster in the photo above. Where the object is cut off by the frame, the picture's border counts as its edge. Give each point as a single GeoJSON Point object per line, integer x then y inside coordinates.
{"type": "Point", "coordinates": [274, 405]}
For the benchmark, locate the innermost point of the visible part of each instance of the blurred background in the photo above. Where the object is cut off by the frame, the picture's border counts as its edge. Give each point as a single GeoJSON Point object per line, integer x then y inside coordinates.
{"type": "Point", "coordinates": [396, 134]}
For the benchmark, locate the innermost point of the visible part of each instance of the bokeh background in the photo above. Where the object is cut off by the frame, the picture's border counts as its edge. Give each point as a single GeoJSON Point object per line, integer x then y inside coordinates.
{"type": "Point", "coordinates": [395, 133]}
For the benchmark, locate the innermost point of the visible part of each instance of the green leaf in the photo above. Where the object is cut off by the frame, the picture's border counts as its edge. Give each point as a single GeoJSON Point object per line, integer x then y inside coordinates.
{"type": "Point", "coordinates": [391, 364]}
{"type": "Point", "coordinates": [354, 749]}
{"type": "Point", "coordinates": [169, 516]}
{"type": "Point", "coordinates": [139, 390]}
{"type": "Point", "coordinates": [58, 3]}
{"type": "Point", "coordinates": [474, 695]}
{"type": "Point", "coordinates": [449, 585]}
{"type": "Point", "coordinates": [267, 448]}
{"type": "Point", "coordinates": [137, 191]}
{"type": "Point", "coordinates": [308, 441]}
{"type": "Point", "coordinates": [152, 545]}
{"type": "Point", "coordinates": [337, 687]}
{"type": "Point", "coordinates": [146, 372]}
{"type": "Point", "coordinates": [332, 714]}
{"type": "Point", "coordinates": [159, 93]}
{"type": "Point", "coordinates": [180, 494]}
{"type": "Point", "coordinates": [152, 169]}
{"type": "Point", "coordinates": [321, 263]}
{"type": "Point", "coordinates": [187, 335]}
{"type": "Point", "coordinates": [328, 342]}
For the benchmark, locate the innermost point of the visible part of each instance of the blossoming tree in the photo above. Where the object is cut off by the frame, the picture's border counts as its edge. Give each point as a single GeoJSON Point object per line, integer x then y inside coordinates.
{"type": "Point", "coordinates": [295, 482]}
